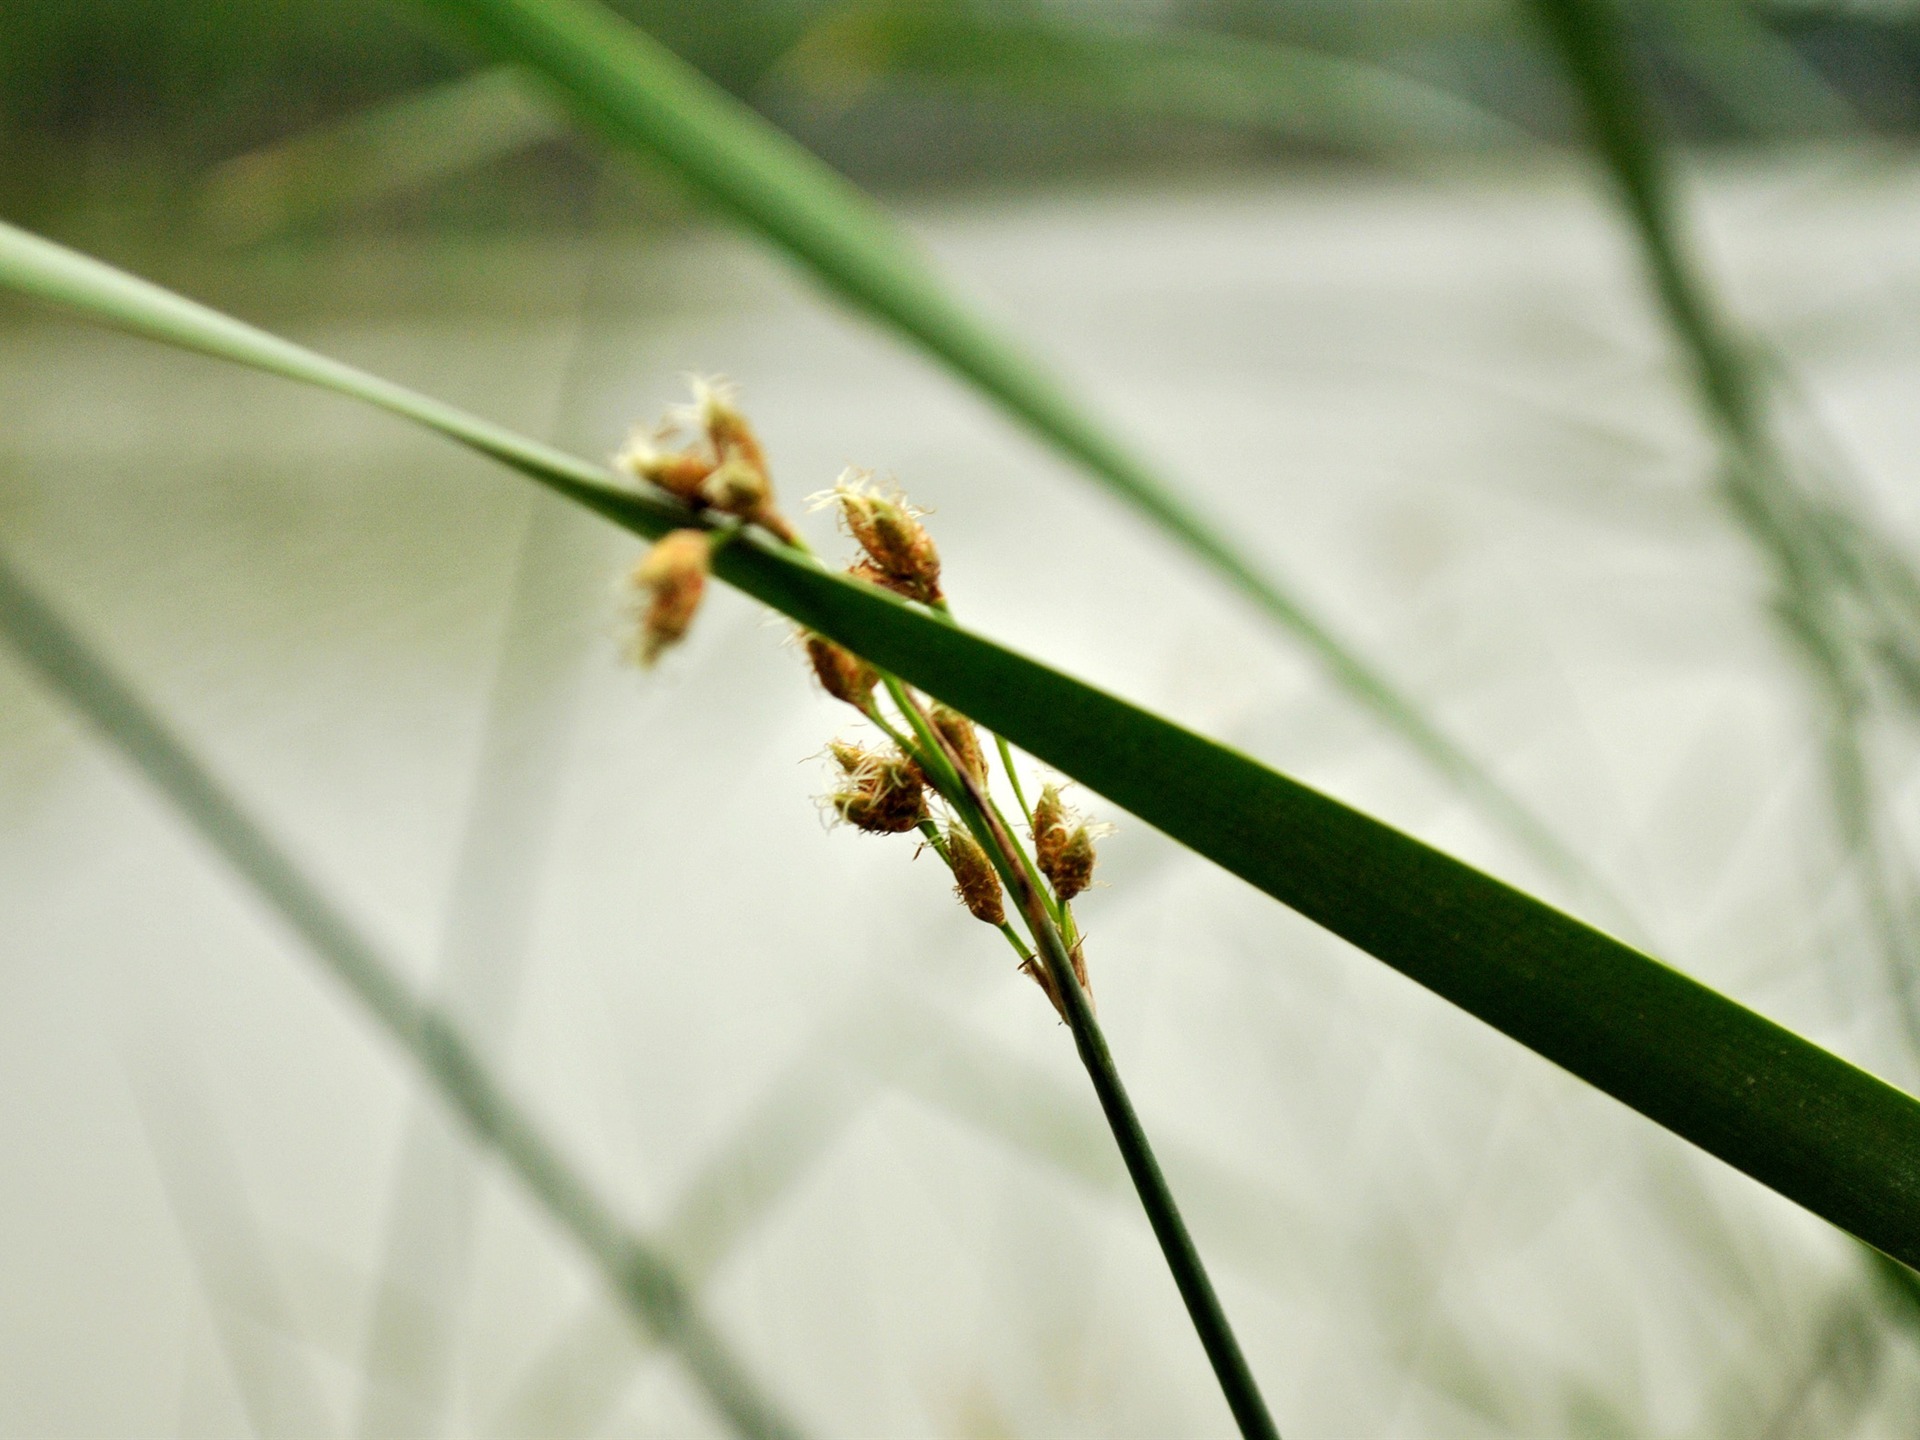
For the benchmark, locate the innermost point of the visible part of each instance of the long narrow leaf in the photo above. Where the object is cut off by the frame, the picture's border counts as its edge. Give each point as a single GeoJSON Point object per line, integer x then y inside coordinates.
{"type": "Point", "coordinates": [392, 149]}
{"type": "Point", "coordinates": [642, 1279]}
{"type": "Point", "coordinates": [642, 96]}
{"type": "Point", "coordinates": [1174, 74]}
{"type": "Point", "coordinates": [1816, 1129]}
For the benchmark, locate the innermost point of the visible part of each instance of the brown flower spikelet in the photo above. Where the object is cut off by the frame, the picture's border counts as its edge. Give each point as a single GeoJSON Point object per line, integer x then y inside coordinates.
{"type": "Point", "coordinates": [974, 879]}
{"type": "Point", "coordinates": [737, 487]}
{"type": "Point", "coordinates": [674, 576]}
{"type": "Point", "coordinates": [681, 473]}
{"type": "Point", "coordinates": [841, 673]}
{"type": "Point", "coordinates": [1062, 844]}
{"type": "Point", "coordinates": [871, 573]}
{"type": "Point", "coordinates": [884, 794]}
{"type": "Point", "coordinates": [727, 429]}
{"type": "Point", "coordinates": [727, 472]}
{"type": "Point", "coordinates": [901, 554]}
{"type": "Point", "coordinates": [957, 730]}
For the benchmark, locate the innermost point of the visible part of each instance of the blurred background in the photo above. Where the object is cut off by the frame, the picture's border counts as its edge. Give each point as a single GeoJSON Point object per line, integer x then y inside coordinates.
{"type": "Point", "coordinates": [1349, 273]}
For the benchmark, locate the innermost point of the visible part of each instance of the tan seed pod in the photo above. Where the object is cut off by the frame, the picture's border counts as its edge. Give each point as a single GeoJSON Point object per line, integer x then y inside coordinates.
{"type": "Point", "coordinates": [680, 472]}
{"type": "Point", "coordinates": [673, 577]}
{"type": "Point", "coordinates": [841, 673]}
{"type": "Point", "coordinates": [884, 794]}
{"type": "Point", "coordinates": [1062, 845]}
{"type": "Point", "coordinates": [900, 553]}
{"type": "Point", "coordinates": [961, 737]}
{"type": "Point", "coordinates": [727, 429]}
{"type": "Point", "coordinates": [974, 878]}
{"type": "Point", "coordinates": [737, 487]}
{"type": "Point", "coordinates": [1071, 870]}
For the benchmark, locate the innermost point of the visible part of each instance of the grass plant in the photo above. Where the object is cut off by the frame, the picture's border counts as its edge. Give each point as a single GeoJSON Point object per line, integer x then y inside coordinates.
{"type": "Point", "coordinates": [1781, 1109]}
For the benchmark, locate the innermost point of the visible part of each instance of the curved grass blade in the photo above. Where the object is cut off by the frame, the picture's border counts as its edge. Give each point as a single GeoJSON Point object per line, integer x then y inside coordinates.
{"type": "Point", "coordinates": [1796, 1118]}
{"type": "Point", "coordinates": [1752, 72]}
{"type": "Point", "coordinates": [392, 149]}
{"type": "Point", "coordinates": [1172, 74]}
{"type": "Point", "coordinates": [643, 1280]}
{"type": "Point", "coordinates": [639, 94]}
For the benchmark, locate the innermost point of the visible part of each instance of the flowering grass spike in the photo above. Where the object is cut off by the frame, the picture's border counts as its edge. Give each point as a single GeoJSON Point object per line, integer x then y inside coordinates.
{"type": "Point", "coordinates": [932, 776]}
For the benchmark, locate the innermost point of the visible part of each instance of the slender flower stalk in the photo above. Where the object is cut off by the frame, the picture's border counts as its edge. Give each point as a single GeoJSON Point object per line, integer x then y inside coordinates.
{"type": "Point", "coordinates": [936, 753]}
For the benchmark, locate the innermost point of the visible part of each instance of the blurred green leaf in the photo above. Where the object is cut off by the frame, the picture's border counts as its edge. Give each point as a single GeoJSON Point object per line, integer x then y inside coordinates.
{"type": "Point", "coordinates": [376, 154]}
{"type": "Point", "coordinates": [1171, 74]}
{"type": "Point", "coordinates": [1798, 1119]}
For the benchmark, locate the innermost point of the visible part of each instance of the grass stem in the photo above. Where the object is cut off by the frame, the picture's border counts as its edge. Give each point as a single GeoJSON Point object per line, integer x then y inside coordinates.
{"type": "Point", "coordinates": [1209, 1318]}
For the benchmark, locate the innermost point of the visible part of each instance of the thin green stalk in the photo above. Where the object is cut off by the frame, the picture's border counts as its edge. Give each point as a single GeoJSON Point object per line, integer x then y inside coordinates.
{"type": "Point", "coordinates": [1209, 1317]}
{"type": "Point", "coordinates": [642, 1279]}
{"type": "Point", "coordinates": [946, 773]}
{"type": "Point", "coordinates": [1013, 778]}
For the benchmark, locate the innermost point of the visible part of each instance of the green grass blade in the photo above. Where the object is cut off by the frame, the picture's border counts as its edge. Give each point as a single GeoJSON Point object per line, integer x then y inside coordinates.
{"type": "Point", "coordinates": [232, 1256]}
{"type": "Point", "coordinates": [646, 1284]}
{"type": "Point", "coordinates": [1798, 1119]}
{"type": "Point", "coordinates": [435, 1193]}
{"type": "Point", "coordinates": [636, 92]}
{"type": "Point", "coordinates": [1171, 74]}
{"type": "Point", "coordinates": [1753, 73]}
{"type": "Point", "coordinates": [391, 150]}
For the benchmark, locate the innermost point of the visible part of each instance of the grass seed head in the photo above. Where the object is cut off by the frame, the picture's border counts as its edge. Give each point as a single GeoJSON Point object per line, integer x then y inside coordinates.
{"type": "Point", "coordinates": [716, 411]}
{"type": "Point", "coordinates": [882, 791]}
{"type": "Point", "coordinates": [961, 737]}
{"type": "Point", "coordinates": [672, 576]}
{"type": "Point", "coordinates": [725, 467]}
{"type": "Point", "coordinates": [1062, 845]}
{"type": "Point", "coordinates": [737, 487]}
{"type": "Point", "coordinates": [900, 555]}
{"type": "Point", "coordinates": [974, 878]}
{"type": "Point", "coordinates": [646, 457]}
{"type": "Point", "coordinates": [841, 673]}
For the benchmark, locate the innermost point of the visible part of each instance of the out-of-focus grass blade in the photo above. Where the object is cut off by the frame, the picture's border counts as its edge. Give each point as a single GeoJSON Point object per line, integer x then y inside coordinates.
{"type": "Point", "coordinates": [1761, 80]}
{"type": "Point", "coordinates": [232, 1257]}
{"type": "Point", "coordinates": [1798, 1119]}
{"type": "Point", "coordinates": [636, 92]}
{"type": "Point", "coordinates": [484, 947]}
{"type": "Point", "coordinates": [1179, 75]}
{"type": "Point", "coordinates": [632, 1267]}
{"type": "Point", "coordinates": [568, 1392]}
{"type": "Point", "coordinates": [375, 155]}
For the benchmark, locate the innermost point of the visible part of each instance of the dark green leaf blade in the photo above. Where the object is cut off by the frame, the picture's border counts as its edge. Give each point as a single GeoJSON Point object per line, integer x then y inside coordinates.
{"type": "Point", "coordinates": [1795, 1117]}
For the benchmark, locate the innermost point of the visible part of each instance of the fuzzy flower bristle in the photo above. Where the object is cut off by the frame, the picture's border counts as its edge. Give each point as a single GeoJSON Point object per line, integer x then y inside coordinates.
{"type": "Point", "coordinates": [881, 791]}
